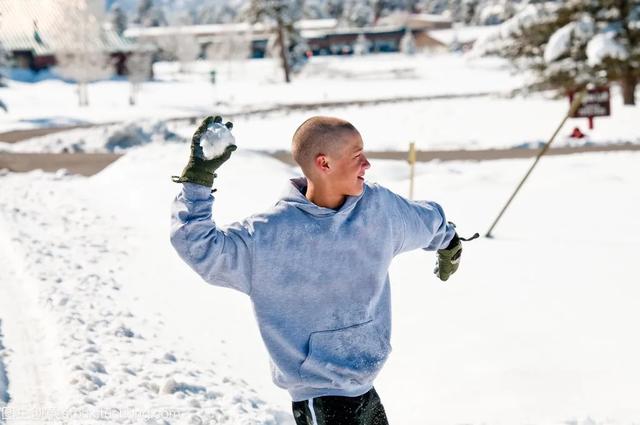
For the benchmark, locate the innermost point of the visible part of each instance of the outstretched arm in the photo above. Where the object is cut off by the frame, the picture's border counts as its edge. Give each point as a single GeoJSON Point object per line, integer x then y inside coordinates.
{"type": "Point", "coordinates": [426, 227]}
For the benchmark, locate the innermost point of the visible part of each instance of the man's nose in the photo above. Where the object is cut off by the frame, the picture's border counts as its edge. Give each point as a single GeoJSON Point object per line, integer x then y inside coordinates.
{"type": "Point", "coordinates": [365, 163]}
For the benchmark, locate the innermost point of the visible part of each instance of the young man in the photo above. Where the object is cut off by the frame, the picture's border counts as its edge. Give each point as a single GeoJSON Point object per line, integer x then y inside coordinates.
{"type": "Point", "coordinates": [315, 266]}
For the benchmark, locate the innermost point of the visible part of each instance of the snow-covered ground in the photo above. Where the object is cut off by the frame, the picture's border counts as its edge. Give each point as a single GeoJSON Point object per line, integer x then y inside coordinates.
{"type": "Point", "coordinates": [536, 328]}
{"type": "Point", "coordinates": [252, 84]}
{"type": "Point", "coordinates": [492, 121]}
{"type": "Point", "coordinates": [477, 123]}
{"type": "Point", "coordinates": [4, 394]}
{"type": "Point", "coordinates": [97, 312]}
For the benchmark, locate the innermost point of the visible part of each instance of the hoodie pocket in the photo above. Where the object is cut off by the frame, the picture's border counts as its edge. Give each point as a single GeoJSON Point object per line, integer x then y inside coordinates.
{"type": "Point", "coordinates": [346, 357]}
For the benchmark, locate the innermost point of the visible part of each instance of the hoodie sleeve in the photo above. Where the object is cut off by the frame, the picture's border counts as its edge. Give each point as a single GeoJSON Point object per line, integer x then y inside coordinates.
{"type": "Point", "coordinates": [423, 225]}
{"type": "Point", "coordinates": [221, 256]}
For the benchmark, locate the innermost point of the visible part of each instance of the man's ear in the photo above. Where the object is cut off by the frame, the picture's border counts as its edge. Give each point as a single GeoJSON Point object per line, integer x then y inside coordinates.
{"type": "Point", "coordinates": [322, 163]}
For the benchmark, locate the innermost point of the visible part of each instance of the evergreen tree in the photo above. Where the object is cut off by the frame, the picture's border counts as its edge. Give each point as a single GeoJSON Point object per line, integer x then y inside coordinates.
{"type": "Point", "coordinates": [149, 15]}
{"type": "Point", "coordinates": [118, 18]}
{"type": "Point", "coordinates": [282, 14]}
{"type": "Point", "coordinates": [3, 64]}
{"type": "Point", "coordinates": [575, 43]}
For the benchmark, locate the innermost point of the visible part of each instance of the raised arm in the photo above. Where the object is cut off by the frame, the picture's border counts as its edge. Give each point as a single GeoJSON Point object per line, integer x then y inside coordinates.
{"type": "Point", "coordinates": [221, 257]}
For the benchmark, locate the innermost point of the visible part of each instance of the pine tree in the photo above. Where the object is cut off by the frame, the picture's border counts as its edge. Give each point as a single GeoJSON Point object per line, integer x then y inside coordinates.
{"type": "Point", "coordinates": [118, 18]}
{"type": "Point", "coordinates": [4, 56]}
{"type": "Point", "coordinates": [149, 15]}
{"type": "Point", "coordinates": [3, 64]}
{"type": "Point", "coordinates": [282, 14]}
{"type": "Point", "coordinates": [570, 45]}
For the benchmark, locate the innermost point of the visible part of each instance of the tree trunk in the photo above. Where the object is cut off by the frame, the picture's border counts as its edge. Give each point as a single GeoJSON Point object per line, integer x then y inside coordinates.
{"type": "Point", "coordinates": [629, 84]}
{"type": "Point", "coordinates": [132, 94]}
{"type": "Point", "coordinates": [283, 52]}
{"type": "Point", "coordinates": [83, 98]}
{"type": "Point", "coordinates": [85, 94]}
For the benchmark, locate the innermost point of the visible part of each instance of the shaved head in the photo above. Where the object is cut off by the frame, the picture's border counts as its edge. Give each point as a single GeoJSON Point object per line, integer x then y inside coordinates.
{"type": "Point", "coordinates": [319, 135]}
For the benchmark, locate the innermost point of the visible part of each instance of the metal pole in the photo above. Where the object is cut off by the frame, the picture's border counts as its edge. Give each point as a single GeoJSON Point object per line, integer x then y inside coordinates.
{"type": "Point", "coordinates": [412, 166]}
{"type": "Point", "coordinates": [574, 107]}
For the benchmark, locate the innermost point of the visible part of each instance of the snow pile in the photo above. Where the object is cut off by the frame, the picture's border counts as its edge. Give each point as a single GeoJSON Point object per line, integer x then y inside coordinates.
{"type": "Point", "coordinates": [604, 46]}
{"type": "Point", "coordinates": [115, 138]}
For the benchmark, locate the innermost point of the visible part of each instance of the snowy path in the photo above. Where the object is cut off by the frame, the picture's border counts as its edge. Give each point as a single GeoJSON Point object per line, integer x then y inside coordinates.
{"type": "Point", "coordinates": [4, 383]}
{"type": "Point", "coordinates": [31, 359]}
{"type": "Point", "coordinates": [110, 353]}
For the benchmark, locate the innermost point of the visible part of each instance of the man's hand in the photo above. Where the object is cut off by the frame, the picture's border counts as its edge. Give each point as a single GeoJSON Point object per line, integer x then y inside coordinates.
{"type": "Point", "coordinates": [200, 170]}
{"type": "Point", "coordinates": [449, 259]}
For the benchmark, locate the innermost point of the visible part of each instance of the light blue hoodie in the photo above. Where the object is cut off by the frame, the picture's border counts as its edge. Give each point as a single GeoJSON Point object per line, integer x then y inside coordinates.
{"type": "Point", "coordinates": [317, 277]}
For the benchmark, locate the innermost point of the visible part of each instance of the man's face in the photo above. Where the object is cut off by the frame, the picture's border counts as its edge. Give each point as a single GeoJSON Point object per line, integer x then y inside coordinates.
{"type": "Point", "coordinates": [348, 166]}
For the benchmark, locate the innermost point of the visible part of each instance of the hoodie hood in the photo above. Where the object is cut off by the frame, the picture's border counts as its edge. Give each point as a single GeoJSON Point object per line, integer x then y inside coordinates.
{"type": "Point", "coordinates": [295, 196]}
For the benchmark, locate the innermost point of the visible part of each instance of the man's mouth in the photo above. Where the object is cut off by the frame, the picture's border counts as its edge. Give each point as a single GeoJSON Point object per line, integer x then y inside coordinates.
{"type": "Point", "coordinates": [361, 178]}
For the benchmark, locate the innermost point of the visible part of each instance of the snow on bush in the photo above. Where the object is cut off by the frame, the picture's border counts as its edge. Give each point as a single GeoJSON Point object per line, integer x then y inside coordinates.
{"type": "Point", "coordinates": [604, 46]}
{"type": "Point", "coordinates": [494, 41]}
{"type": "Point", "coordinates": [559, 43]}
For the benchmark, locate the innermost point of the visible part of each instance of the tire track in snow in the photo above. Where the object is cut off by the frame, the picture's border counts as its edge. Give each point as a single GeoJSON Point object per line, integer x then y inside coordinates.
{"type": "Point", "coordinates": [4, 395]}
{"type": "Point", "coordinates": [29, 358]}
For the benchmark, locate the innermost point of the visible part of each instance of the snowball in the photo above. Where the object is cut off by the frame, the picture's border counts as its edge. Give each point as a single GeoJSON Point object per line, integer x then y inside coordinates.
{"type": "Point", "coordinates": [215, 140]}
{"type": "Point", "coordinates": [605, 46]}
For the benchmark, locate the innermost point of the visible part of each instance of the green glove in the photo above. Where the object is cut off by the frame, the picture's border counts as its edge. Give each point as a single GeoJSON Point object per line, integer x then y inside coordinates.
{"type": "Point", "coordinates": [449, 259]}
{"type": "Point", "coordinates": [201, 170]}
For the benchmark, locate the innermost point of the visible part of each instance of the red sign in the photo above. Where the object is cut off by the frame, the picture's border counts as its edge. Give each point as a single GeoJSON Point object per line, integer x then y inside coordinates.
{"type": "Point", "coordinates": [596, 103]}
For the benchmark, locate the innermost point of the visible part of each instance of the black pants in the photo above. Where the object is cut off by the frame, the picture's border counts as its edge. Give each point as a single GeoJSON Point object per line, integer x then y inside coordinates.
{"type": "Point", "coordinates": [333, 410]}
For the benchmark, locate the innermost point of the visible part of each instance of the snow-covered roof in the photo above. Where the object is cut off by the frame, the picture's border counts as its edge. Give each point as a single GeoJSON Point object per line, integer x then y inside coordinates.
{"type": "Point", "coordinates": [225, 29]}
{"type": "Point", "coordinates": [195, 30]}
{"type": "Point", "coordinates": [415, 20]}
{"type": "Point", "coordinates": [461, 34]}
{"type": "Point", "coordinates": [430, 17]}
{"type": "Point", "coordinates": [42, 26]}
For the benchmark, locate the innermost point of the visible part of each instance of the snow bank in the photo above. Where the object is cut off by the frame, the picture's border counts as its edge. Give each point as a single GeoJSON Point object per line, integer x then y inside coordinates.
{"type": "Point", "coordinates": [112, 138]}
